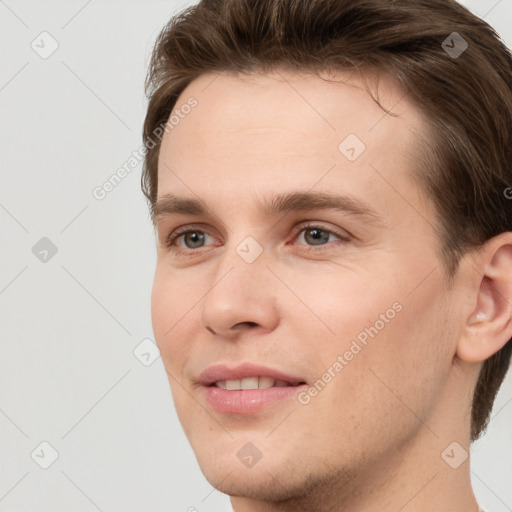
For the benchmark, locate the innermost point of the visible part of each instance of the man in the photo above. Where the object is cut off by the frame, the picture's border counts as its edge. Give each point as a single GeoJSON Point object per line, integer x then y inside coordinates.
{"type": "Point", "coordinates": [330, 184]}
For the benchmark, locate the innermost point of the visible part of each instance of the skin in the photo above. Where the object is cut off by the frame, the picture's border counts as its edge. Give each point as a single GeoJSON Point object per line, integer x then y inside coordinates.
{"type": "Point", "coordinates": [372, 439]}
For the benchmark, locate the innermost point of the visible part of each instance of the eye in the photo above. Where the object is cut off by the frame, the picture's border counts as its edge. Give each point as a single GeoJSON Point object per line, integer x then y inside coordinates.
{"type": "Point", "coordinates": [317, 235]}
{"type": "Point", "coordinates": [194, 237]}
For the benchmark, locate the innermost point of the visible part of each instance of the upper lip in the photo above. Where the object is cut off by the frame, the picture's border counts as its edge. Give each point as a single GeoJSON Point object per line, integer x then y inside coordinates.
{"type": "Point", "coordinates": [221, 372]}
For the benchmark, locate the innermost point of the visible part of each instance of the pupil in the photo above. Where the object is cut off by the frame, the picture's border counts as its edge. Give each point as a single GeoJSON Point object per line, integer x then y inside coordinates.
{"type": "Point", "coordinates": [196, 236]}
{"type": "Point", "coordinates": [318, 235]}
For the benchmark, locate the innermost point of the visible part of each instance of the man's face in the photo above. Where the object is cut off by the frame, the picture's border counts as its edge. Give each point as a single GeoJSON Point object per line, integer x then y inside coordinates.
{"type": "Point", "coordinates": [362, 317]}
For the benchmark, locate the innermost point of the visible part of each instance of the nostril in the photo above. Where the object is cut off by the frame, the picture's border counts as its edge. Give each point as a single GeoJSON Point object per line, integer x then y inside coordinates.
{"type": "Point", "coordinates": [248, 324]}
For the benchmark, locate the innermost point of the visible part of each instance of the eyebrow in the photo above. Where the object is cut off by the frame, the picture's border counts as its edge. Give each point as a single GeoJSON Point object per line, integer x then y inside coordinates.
{"type": "Point", "coordinates": [170, 204]}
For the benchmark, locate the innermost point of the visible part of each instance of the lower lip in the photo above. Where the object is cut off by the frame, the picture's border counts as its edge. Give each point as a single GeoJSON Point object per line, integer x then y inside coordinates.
{"type": "Point", "coordinates": [248, 401]}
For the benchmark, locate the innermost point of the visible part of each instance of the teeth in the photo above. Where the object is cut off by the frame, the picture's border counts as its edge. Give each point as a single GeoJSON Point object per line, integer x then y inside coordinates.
{"type": "Point", "coordinates": [251, 383]}
{"type": "Point", "coordinates": [233, 384]}
{"type": "Point", "coordinates": [266, 382]}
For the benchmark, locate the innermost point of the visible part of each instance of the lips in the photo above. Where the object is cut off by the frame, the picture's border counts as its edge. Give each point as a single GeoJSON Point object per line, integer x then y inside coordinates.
{"type": "Point", "coordinates": [247, 376]}
{"type": "Point", "coordinates": [248, 389]}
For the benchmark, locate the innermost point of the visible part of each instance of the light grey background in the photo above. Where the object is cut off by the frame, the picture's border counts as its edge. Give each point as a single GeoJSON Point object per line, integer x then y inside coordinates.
{"type": "Point", "coordinates": [70, 325]}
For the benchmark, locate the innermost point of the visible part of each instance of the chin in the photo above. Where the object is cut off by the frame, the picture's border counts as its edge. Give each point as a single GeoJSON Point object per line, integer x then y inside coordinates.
{"type": "Point", "coordinates": [271, 478]}
{"type": "Point", "coordinates": [258, 484]}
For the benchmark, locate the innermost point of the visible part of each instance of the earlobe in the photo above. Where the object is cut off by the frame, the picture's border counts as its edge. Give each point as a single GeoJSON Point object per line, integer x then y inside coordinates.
{"type": "Point", "coordinates": [489, 325]}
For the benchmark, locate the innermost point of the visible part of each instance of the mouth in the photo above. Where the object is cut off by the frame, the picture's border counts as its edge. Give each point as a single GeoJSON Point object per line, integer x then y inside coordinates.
{"type": "Point", "coordinates": [254, 383]}
{"type": "Point", "coordinates": [247, 388]}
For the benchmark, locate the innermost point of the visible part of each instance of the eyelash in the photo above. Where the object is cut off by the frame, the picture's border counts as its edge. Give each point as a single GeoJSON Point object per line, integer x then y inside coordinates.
{"type": "Point", "coordinates": [170, 240]}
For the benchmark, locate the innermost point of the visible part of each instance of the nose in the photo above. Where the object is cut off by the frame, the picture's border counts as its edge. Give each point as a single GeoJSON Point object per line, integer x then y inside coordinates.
{"type": "Point", "coordinates": [242, 297]}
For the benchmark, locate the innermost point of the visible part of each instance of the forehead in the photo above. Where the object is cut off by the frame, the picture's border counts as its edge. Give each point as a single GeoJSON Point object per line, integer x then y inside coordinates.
{"type": "Point", "coordinates": [262, 132]}
{"type": "Point", "coordinates": [305, 103]}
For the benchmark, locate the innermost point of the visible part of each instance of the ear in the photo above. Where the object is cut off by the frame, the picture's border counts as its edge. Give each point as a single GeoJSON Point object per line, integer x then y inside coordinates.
{"type": "Point", "coordinates": [488, 327]}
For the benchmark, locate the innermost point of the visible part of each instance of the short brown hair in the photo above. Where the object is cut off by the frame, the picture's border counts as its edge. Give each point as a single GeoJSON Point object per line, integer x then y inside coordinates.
{"type": "Point", "coordinates": [465, 161]}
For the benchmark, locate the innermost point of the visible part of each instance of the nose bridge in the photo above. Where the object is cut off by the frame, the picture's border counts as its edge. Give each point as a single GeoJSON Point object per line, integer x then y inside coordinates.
{"type": "Point", "coordinates": [244, 253]}
{"type": "Point", "coordinates": [240, 290]}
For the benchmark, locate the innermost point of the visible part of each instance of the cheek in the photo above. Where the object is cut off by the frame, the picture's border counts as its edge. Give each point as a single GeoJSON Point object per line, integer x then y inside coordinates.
{"type": "Point", "coordinates": [402, 337]}
{"type": "Point", "coordinates": [407, 363]}
{"type": "Point", "coordinates": [161, 302]}
{"type": "Point", "coordinates": [170, 320]}
{"type": "Point", "coordinates": [169, 299]}
{"type": "Point", "coordinates": [169, 307]}
{"type": "Point", "coordinates": [342, 305]}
